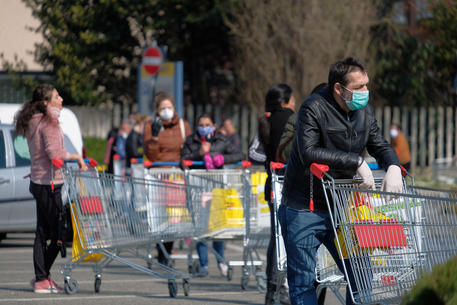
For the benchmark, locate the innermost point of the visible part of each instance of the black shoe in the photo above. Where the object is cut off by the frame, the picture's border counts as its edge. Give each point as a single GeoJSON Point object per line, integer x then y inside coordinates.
{"type": "Point", "coordinates": [269, 298]}
{"type": "Point", "coordinates": [284, 296]}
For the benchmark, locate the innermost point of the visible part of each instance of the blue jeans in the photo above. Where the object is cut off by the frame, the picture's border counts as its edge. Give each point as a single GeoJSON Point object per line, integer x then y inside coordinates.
{"type": "Point", "coordinates": [202, 250]}
{"type": "Point", "coordinates": [303, 232]}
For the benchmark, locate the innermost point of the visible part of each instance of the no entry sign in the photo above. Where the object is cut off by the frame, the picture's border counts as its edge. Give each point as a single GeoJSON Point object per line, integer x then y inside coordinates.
{"type": "Point", "coordinates": [152, 59]}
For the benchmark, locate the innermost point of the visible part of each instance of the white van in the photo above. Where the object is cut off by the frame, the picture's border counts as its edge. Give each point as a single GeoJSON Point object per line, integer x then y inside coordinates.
{"type": "Point", "coordinates": [17, 206]}
{"type": "Point", "coordinates": [67, 119]}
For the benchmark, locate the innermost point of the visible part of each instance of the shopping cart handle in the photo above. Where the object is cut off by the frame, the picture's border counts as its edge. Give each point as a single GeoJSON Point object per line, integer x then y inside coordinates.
{"type": "Point", "coordinates": [59, 162]}
{"type": "Point", "coordinates": [277, 165]}
{"type": "Point", "coordinates": [162, 163]}
{"type": "Point", "coordinates": [374, 166]}
{"type": "Point", "coordinates": [404, 172]}
{"type": "Point", "coordinates": [187, 163]}
{"type": "Point", "coordinates": [318, 170]}
{"type": "Point", "coordinates": [245, 163]}
{"type": "Point", "coordinates": [136, 160]}
{"type": "Point", "coordinates": [91, 162]}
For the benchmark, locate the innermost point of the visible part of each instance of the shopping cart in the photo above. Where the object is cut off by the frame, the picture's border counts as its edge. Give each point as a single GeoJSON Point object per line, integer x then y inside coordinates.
{"type": "Point", "coordinates": [327, 272]}
{"type": "Point", "coordinates": [257, 231]}
{"type": "Point", "coordinates": [115, 214]}
{"type": "Point", "coordinates": [388, 239]}
{"type": "Point", "coordinates": [229, 195]}
{"type": "Point", "coordinates": [175, 200]}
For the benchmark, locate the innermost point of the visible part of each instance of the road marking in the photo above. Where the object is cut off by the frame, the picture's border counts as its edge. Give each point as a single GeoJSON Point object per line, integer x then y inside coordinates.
{"type": "Point", "coordinates": [240, 249]}
{"type": "Point", "coordinates": [28, 250]}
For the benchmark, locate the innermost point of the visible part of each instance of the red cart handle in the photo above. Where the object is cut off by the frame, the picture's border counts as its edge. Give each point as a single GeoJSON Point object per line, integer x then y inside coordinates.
{"type": "Point", "coordinates": [318, 170]}
{"type": "Point", "coordinates": [276, 165]}
{"type": "Point", "coordinates": [59, 162]}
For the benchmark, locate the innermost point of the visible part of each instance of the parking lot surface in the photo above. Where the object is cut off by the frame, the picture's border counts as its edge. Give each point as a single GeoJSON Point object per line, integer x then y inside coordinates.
{"type": "Point", "coordinates": [120, 283]}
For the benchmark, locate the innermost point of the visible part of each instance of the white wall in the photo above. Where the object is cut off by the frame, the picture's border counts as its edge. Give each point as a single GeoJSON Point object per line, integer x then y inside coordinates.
{"type": "Point", "coordinates": [15, 17]}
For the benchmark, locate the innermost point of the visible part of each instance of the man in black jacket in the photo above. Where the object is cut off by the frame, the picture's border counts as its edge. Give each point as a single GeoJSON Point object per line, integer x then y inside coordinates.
{"type": "Point", "coordinates": [334, 127]}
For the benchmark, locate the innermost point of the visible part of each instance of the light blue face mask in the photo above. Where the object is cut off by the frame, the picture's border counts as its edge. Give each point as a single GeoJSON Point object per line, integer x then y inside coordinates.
{"type": "Point", "coordinates": [359, 99]}
{"type": "Point", "coordinates": [203, 131]}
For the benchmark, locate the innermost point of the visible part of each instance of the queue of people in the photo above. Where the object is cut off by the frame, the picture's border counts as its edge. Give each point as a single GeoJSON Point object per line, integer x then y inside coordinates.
{"type": "Point", "coordinates": [296, 138]}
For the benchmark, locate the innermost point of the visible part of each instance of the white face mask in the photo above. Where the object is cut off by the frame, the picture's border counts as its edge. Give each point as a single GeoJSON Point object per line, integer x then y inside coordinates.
{"type": "Point", "coordinates": [394, 133]}
{"type": "Point", "coordinates": [166, 114]}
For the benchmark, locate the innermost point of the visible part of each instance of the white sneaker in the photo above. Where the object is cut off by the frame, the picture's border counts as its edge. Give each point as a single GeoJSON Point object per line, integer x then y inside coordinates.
{"type": "Point", "coordinates": [223, 268]}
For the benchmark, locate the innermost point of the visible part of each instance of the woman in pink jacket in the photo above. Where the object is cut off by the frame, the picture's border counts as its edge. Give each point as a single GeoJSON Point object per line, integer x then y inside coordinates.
{"type": "Point", "coordinates": [38, 121]}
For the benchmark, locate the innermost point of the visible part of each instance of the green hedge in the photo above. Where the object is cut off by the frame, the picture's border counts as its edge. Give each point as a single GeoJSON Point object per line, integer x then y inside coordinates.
{"type": "Point", "coordinates": [436, 288]}
{"type": "Point", "coordinates": [95, 148]}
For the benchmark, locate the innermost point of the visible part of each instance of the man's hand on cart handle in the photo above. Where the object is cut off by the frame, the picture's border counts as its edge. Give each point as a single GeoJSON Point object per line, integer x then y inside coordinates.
{"type": "Point", "coordinates": [365, 173]}
{"type": "Point", "coordinates": [392, 181]}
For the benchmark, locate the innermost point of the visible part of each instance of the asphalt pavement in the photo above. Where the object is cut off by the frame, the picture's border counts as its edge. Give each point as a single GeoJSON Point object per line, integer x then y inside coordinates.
{"type": "Point", "coordinates": [120, 283]}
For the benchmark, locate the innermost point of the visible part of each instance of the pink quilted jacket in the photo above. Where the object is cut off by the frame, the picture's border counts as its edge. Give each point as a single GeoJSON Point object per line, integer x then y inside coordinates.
{"type": "Point", "coordinates": [46, 142]}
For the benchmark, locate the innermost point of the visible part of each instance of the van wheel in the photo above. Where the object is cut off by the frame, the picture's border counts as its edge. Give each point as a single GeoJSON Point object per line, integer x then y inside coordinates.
{"type": "Point", "coordinates": [2, 235]}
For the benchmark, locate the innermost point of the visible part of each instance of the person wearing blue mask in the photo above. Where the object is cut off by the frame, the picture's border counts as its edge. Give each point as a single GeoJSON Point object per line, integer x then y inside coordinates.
{"type": "Point", "coordinates": [211, 146]}
{"type": "Point", "coordinates": [334, 127]}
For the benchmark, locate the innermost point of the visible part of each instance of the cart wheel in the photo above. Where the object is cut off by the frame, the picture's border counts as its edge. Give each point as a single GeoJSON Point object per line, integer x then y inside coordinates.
{"type": "Point", "coordinates": [97, 284]}
{"type": "Point", "coordinates": [229, 273]}
{"type": "Point", "coordinates": [244, 282]}
{"type": "Point", "coordinates": [186, 287]}
{"type": "Point", "coordinates": [71, 286]}
{"type": "Point", "coordinates": [261, 284]}
{"type": "Point", "coordinates": [172, 288]}
{"type": "Point", "coordinates": [195, 267]}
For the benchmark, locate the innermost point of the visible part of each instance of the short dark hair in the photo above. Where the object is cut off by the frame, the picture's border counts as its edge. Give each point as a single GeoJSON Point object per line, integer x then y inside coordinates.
{"type": "Point", "coordinates": [338, 71]}
{"type": "Point", "coordinates": [207, 116]}
{"type": "Point", "coordinates": [276, 95]}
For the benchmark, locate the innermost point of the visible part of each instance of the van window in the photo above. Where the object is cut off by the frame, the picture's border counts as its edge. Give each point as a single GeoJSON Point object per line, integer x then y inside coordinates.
{"type": "Point", "coordinates": [2, 151]}
{"type": "Point", "coordinates": [21, 150]}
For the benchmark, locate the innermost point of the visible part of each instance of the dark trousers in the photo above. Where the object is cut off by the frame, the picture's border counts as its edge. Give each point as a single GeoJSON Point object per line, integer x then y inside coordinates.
{"type": "Point", "coordinates": [162, 257]}
{"type": "Point", "coordinates": [272, 265]}
{"type": "Point", "coordinates": [48, 208]}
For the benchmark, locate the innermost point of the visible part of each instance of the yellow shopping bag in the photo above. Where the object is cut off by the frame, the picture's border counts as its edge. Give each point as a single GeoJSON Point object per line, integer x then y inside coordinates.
{"type": "Point", "coordinates": [226, 210]}
{"type": "Point", "coordinates": [368, 229]}
{"type": "Point", "coordinates": [79, 245]}
{"type": "Point", "coordinates": [258, 187]}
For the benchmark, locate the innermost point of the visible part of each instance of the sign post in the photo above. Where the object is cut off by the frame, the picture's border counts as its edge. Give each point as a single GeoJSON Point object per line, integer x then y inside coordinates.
{"type": "Point", "coordinates": [154, 73]}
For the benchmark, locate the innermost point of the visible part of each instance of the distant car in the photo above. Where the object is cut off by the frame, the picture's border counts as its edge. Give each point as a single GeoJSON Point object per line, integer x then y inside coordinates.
{"type": "Point", "coordinates": [17, 206]}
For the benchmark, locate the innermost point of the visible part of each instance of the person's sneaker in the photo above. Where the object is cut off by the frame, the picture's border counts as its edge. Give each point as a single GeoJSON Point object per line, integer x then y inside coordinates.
{"type": "Point", "coordinates": [203, 272]}
{"type": "Point", "coordinates": [42, 286]}
{"type": "Point", "coordinates": [223, 268]}
{"type": "Point", "coordinates": [55, 288]}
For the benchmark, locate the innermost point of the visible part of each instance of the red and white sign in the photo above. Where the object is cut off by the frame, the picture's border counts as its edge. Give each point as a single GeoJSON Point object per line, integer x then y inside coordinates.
{"type": "Point", "coordinates": [152, 60]}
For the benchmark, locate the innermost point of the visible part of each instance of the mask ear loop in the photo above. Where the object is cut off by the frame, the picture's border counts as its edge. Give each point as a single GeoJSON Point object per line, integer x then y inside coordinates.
{"type": "Point", "coordinates": [352, 94]}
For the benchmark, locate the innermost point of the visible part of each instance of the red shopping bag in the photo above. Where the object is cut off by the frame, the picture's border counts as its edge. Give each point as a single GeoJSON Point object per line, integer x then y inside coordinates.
{"type": "Point", "coordinates": [382, 233]}
{"type": "Point", "coordinates": [91, 205]}
{"type": "Point", "coordinates": [175, 196]}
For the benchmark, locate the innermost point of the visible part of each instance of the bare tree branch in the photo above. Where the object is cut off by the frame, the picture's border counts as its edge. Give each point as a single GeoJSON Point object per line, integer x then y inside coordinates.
{"type": "Point", "coordinates": [295, 41]}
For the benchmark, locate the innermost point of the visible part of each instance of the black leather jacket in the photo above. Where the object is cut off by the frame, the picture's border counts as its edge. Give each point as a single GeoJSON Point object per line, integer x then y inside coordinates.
{"type": "Point", "coordinates": [327, 134]}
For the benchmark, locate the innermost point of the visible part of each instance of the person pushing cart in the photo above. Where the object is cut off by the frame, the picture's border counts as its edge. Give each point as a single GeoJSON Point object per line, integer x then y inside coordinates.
{"type": "Point", "coordinates": [334, 127]}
